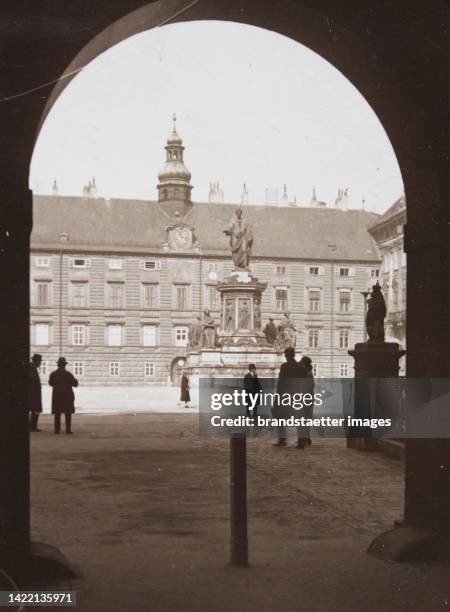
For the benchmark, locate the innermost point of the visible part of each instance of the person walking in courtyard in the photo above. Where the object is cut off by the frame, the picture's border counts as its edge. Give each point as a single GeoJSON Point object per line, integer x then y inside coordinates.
{"type": "Point", "coordinates": [185, 395]}
{"type": "Point", "coordinates": [287, 383]}
{"type": "Point", "coordinates": [307, 387]}
{"type": "Point", "coordinates": [63, 397]}
{"type": "Point", "coordinates": [252, 386]}
{"type": "Point", "coordinates": [35, 402]}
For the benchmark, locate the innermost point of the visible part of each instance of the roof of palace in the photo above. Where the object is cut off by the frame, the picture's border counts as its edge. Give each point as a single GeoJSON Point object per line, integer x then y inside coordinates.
{"type": "Point", "coordinates": [398, 207]}
{"type": "Point", "coordinates": [141, 226]}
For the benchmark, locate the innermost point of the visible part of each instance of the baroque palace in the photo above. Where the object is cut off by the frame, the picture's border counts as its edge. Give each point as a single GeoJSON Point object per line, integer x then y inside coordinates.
{"type": "Point", "coordinates": [115, 284]}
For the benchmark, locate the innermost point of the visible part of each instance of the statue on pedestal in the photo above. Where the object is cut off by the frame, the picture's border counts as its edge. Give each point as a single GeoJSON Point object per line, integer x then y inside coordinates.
{"type": "Point", "coordinates": [241, 240]}
{"type": "Point", "coordinates": [209, 330]}
{"type": "Point", "coordinates": [376, 313]}
{"type": "Point", "coordinates": [229, 316]}
{"type": "Point", "coordinates": [195, 339]}
{"type": "Point", "coordinates": [286, 333]}
{"type": "Point", "coordinates": [270, 331]}
{"type": "Point", "coordinates": [244, 314]}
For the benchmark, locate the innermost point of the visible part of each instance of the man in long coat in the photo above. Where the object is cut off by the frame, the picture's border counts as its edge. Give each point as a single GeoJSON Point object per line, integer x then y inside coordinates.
{"type": "Point", "coordinates": [184, 387]}
{"type": "Point", "coordinates": [288, 379]}
{"type": "Point", "coordinates": [35, 397]}
{"type": "Point", "coordinates": [63, 398]}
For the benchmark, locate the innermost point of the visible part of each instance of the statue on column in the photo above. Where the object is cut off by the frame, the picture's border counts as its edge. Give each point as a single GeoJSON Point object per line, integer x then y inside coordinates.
{"type": "Point", "coordinates": [195, 338]}
{"type": "Point", "coordinates": [376, 313]}
{"type": "Point", "coordinates": [209, 330]}
{"type": "Point", "coordinates": [241, 240]}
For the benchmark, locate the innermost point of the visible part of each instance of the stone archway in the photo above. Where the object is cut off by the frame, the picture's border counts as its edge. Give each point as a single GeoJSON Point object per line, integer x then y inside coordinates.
{"type": "Point", "coordinates": [376, 60]}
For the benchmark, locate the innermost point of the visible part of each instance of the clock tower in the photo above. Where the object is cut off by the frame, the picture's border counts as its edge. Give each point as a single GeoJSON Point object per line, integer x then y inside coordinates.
{"type": "Point", "coordinates": [174, 187]}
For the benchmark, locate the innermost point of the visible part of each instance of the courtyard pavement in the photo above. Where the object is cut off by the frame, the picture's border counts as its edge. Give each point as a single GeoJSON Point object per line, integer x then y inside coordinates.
{"type": "Point", "coordinates": [140, 504]}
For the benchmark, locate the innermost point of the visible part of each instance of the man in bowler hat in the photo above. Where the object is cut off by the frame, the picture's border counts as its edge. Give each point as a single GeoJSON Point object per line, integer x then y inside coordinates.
{"type": "Point", "coordinates": [63, 398]}
{"type": "Point", "coordinates": [35, 397]}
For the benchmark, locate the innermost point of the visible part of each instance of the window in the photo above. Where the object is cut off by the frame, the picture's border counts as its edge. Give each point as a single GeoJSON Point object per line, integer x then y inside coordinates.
{"type": "Point", "coordinates": [344, 338]}
{"type": "Point", "coordinates": [345, 301]}
{"type": "Point", "coordinates": [78, 368]}
{"type": "Point", "coordinates": [149, 335]}
{"type": "Point", "coordinates": [374, 273]}
{"type": "Point", "coordinates": [314, 300]}
{"type": "Point", "coordinates": [404, 294]}
{"type": "Point", "coordinates": [44, 368]}
{"type": "Point", "coordinates": [212, 298]}
{"type": "Point", "coordinates": [115, 264]}
{"type": "Point", "coordinates": [42, 334]}
{"type": "Point", "coordinates": [115, 295]}
{"type": "Point", "coordinates": [114, 368]}
{"type": "Point", "coordinates": [315, 368]}
{"type": "Point", "coordinates": [42, 262]}
{"type": "Point", "coordinates": [281, 298]}
{"type": "Point", "coordinates": [314, 270]}
{"type": "Point", "coordinates": [280, 269]}
{"type": "Point", "coordinates": [149, 368]}
{"type": "Point", "coordinates": [182, 297]}
{"type": "Point", "coordinates": [344, 370]}
{"type": "Point", "coordinates": [42, 293]}
{"type": "Point", "coordinates": [150, 264]}
{"type": "Point", "coordinates": [213, 266]}
{"type": "Point", "coordinates": [344, 271]}
{"type": "Point", "coordinates": [181, 335]}
{"type": "Point", "coordinates": [80, 263]}
{"type": "Point", "coordinates": [78, 335]}
{"type": "Point", "coordinates": [114, 335]}
{"type": "Point", "coordinates": [403, 259]}
{"type": "Point", "coordinates": [78, 295]}
{"type": "Point", "coordinates": [313, 338]}
{"type": "Point", "coordinates": [149, 295]}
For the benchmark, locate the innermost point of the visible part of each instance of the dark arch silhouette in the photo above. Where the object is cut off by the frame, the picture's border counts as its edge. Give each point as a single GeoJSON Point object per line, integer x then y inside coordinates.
{"type": "Point", "coordinates": [386, 50]}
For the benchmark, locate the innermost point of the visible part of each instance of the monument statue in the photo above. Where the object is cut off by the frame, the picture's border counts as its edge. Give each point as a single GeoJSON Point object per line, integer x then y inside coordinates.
{"type": "Point", "coordinates": [241, 240]}
{"type": "Point", "coordinates": [257, 313]}
{"type": "Point", "coordinates": [270, 331]}
{"type": "Point", "coordinates": [229, 316]}
{"type": "Point", "coordinates": [195, 338]}
{"type": "Point", "coordinates": [286, 336]}
{"type": "Point", "coordinates": [209, 330]}
{"type": "Point", "coordinates": [376, 313]}
{"type": "Point", "coordinates": [244, 314]}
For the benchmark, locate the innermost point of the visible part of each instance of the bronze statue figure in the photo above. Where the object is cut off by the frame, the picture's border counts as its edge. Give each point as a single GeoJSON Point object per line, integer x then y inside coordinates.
{"type": "Point", "coordinates": [376, 313]}
{"type": "Point", "coordinates": [209, 330]}
{"type": "Point", "coordinates": [241, 240]}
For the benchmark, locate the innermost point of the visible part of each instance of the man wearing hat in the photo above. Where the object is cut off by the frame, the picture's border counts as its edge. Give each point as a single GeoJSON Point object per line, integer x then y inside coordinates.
{"type": "Point", "coordinates": [35, 396]}
{"type": "Point", "coordinates": [63, 398]}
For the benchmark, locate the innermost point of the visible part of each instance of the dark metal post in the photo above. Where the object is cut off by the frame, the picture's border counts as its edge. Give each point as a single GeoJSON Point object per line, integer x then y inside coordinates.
{"type": "Point", "coordinates": [238, 499]}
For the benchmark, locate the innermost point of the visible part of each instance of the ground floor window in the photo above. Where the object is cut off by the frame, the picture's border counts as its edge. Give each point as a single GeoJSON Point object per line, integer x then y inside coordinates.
{"type": "Point", "coordinates": [78, 368]}
{"type": "Point", "coordinates": [344, 370]}
{"type": "Point", "coordinates": [114, 368]}
{"type": "Point", "coordinates": [149, 368]}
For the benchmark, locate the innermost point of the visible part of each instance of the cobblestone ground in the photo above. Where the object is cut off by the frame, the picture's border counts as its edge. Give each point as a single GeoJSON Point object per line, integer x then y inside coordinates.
{"type": "Point", "coordinates": [140, 505]}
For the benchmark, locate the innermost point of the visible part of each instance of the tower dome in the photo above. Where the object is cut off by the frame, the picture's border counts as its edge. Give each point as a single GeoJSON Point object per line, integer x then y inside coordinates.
{"type": "Point", "coordinates": [174, 178]}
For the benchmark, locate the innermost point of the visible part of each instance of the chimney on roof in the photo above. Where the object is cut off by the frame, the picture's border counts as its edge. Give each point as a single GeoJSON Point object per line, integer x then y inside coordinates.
{"type": "Point", "coordinates": [215, 195]}
{"type": "Point", "coordinates": [244, 195]}
{"type": "Point", "coordinates": [55, 188]}
{"type": "Point", "coordinates": [90, 190]}
{"type": "Point", "coordinates": [271, 196]}
{"type": "Point", "coordinates": [284, 197]}
{"type": "Point", "coordinates": [341, 202]}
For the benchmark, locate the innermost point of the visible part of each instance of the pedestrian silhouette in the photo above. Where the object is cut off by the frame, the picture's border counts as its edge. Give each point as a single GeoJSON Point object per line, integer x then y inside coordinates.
{"type": "Point", "coordinates": [35, 392]}
{"type": "Point", "coordinates": [63, 398]}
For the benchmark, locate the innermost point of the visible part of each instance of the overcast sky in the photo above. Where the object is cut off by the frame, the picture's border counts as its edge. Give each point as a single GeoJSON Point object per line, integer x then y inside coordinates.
{"type": "Point", "coordinates": [252, 106]}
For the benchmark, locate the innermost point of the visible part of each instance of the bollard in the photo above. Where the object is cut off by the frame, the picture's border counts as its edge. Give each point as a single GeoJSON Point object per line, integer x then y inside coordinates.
{"type": "Point", "coordinates": [238, 499]}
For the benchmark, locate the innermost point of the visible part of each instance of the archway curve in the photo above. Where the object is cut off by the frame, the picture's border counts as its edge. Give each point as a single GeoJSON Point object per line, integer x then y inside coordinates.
{"type": "Point", "coordinates": [334, 43]}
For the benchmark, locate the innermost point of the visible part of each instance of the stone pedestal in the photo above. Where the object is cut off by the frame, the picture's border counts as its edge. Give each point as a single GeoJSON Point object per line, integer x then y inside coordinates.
{"type": "Point", "coordinates": [372, 360]}
{"type": "Point", "coordinates": [240, 339]}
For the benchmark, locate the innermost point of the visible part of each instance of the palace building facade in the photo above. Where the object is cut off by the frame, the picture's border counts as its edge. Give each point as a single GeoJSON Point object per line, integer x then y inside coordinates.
{"type": "Point", "coordinates": [115, 283]}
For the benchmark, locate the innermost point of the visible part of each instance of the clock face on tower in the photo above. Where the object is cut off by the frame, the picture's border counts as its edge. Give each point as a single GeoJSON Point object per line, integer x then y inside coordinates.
{"type": "Point", "coordinates": [180, 238]}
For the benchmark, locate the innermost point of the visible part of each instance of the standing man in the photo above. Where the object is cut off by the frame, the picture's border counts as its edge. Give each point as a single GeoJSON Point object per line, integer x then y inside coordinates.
{"type": "Point", "coordinates": [290, 372]}
{"type": "Point", "coordinates": [35, 401]}
{"type": "Point", "coordinates": [185, 395]}
{"type": "Point", "coordinates": [252, 386]}
{"type": "Point", "coordinates": [63, 398]}
{"type": "Point", "coordinates": [307, 386]}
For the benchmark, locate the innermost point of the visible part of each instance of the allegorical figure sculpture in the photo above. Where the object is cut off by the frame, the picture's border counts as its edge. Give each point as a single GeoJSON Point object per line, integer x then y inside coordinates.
{"type": "Point", "coordinates": [376, 313]}
{"type": "Point", "coordinates": [286, 333]}
{"type": "Point", "coordinates": [241, 240]}
{"type": "Point", "coordinates": [196, 334]}
{"type": "Point", "coordinates": [270, 331]}
{"type": "Point", "coordinates": [209, 330]}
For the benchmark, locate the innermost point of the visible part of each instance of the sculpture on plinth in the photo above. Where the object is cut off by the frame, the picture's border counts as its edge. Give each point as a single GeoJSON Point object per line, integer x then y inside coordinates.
{"type": "Point", "coordinates": [270, 331]}
{"type": "Point", "coordinates": [376, 313]}
{"type": "Point", "coordinates": [209, 330]}
{"type": "Point", "coordinates": [286, 336]}
{"type": "Point", "coordinates": [241, 240]}
{"type": "Point", "coordinates": [195, 339]}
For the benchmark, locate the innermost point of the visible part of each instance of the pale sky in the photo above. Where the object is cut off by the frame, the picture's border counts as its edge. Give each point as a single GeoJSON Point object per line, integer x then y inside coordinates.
{"type": "Point", "coordinates": [252, 106]}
